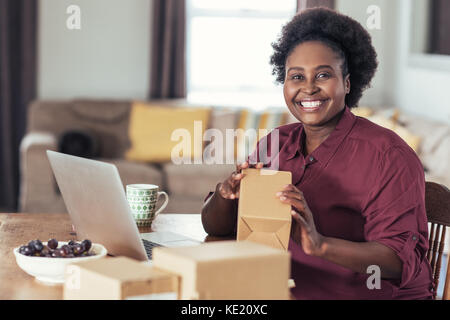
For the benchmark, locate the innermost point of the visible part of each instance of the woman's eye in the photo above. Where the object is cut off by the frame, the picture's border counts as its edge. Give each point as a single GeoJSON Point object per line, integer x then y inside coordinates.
{"type": "Point", "coordinates": [323, 76]}
{"type": "Point", "coordinates": [297, 77]}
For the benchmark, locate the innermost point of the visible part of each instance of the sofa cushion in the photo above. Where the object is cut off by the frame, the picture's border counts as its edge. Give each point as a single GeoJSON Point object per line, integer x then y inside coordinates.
{"type": "Point", "coordinates": [109, 119]}
{"type": "Point", "coordinates": [221, 120]}
{"type": "Point", "coordinates": [106, 111]}
{"type": "Point", "coordinates": [80, 143]}
{"type": "Point", "coordinates": [133, 173]}
{"type": "Point", "coordinates": [437, 162]}
{"type": "Point", "coordinates": [195, 179]}
{"type": "Point", "coordinates": [151, 130]}
{"type": "Point", "coordinates": [431, 132]}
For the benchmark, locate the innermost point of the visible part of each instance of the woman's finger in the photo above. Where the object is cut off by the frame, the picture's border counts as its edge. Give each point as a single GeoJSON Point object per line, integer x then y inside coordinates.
{"type": "Point", "coordinates": [301, 220]}
{"type": "Point", "coordinates": [241, 166]}
{"type": "Point", "coordinates": [259, 165]}
{"type": "Point", "coordinates": [225, 190]}
{"type": "Point", "coordinates": [236, 192]}
{"type": "Point", "coordinates": [237, 176]}
{"type": "Point", "coordinates": [291, 187]}
{"type": "Point", "coordinates": [290, 194]}
{"type": "Point", "coordinates": [298, 204]}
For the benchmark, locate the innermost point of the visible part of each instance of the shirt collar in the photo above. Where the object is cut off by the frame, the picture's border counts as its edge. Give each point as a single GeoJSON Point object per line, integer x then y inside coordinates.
{"type": "Point", "coordinates": [327, 148]}
{"type": "Point", "coordinates": [294, 145]}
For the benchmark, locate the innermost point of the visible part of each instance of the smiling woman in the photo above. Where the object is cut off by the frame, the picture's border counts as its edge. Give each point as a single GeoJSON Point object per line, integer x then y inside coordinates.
{"type": "Point", "coordinates": [357, 192]}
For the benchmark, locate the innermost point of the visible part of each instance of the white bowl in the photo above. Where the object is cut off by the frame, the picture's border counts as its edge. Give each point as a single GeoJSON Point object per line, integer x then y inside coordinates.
{"type": "Point", "coordinates": [51, 270]}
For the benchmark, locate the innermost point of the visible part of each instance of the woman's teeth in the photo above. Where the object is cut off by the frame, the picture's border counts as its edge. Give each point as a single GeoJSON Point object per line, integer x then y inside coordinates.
{"type": "Point", "coordinates": [311, 104]}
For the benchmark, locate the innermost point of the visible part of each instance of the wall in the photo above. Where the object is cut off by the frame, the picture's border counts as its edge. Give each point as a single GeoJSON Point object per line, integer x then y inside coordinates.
{"type": "Point", "coordinates": [108, 57]}
{"type": "Point", "coordinates": [379, 94]}
{"type": "Point", "coordinates": [399, 82]}
{"type": "Point", "coordinates": [420, 89]}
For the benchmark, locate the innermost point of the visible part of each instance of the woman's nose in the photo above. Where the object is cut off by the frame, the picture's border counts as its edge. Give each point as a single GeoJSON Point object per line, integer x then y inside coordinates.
{"type": "Point", "coordinates": [309, 88]}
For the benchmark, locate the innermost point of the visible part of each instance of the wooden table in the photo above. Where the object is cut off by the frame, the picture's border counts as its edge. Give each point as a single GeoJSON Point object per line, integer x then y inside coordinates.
{"type": "Point", "coordinates": [18, 228]}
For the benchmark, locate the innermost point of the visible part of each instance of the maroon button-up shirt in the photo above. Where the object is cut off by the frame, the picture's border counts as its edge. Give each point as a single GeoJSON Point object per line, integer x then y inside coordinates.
{"type": "Point", "coordinates": [362, 184]}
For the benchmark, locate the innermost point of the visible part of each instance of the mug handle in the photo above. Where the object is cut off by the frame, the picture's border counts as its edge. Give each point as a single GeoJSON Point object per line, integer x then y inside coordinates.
{"type": "Point", "coordinates": [164, 204]}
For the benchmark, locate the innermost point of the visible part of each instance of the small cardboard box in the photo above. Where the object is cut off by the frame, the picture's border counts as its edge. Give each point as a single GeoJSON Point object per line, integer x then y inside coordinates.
{"type": "Point", "coordinates": [227, 270]}
{"type": "Point", "coordinates": [116, 279]}
{"type": "Point", "coordinates": [262, 217]}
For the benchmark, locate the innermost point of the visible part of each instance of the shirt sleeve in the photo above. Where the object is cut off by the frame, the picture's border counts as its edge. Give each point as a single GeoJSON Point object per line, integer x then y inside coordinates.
{"type": "Point", "coordinates": [395, 212]}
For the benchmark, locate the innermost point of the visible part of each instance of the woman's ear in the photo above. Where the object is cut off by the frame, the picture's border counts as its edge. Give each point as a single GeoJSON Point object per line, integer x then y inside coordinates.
{"type": "Point", "coordinates": [347, 84]}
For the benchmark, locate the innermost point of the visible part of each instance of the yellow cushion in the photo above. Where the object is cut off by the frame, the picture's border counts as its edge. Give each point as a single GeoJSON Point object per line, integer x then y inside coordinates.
{"type": "Point", "coordinates": [260, 121]}
{"type": "Point", "coordinates": [363, 112]}
{"type": "Point", "coordinates": [412, 140]}
{"type": "Point", "coordinates": [152, 127]}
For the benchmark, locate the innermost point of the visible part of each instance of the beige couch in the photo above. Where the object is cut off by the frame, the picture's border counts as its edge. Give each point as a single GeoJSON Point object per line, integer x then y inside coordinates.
{"type": "Point", "coordinates": [187, 185]}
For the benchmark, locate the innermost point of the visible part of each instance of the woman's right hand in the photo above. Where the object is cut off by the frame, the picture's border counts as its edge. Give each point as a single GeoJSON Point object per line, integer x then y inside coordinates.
{"type": "Point", "coordinates": [229, 189]}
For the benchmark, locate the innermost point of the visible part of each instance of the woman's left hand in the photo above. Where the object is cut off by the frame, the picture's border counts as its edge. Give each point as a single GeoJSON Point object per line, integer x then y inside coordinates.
{"type": "Point", "coordinates": [304, 230]}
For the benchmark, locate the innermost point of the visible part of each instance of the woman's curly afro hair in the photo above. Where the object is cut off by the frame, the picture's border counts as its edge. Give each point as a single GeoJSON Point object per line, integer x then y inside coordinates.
{"type": "Point", "coordinates": [342, 34]}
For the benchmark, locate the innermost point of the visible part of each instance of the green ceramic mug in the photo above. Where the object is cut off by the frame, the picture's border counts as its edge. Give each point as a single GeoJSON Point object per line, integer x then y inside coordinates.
{"type": "Point", "coordinates": [142, 199]}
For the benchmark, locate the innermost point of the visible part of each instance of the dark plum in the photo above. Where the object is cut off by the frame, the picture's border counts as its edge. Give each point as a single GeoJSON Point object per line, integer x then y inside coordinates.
{"type": "Point", "coordinates": [67, 249]}
{"type": "Point", "coordinates": [31, 246]}
{"type": "Point", "coordinates": [87, 244]}
{"type": "Point", "coordinates": [61, 252]}
{"type": "Point", "coordinates": [45, 252]}
{"type": "Point", "coordinates": [25, 250]}
{"type": "Point", "coordinates": [78, 249]}
{"type": "Point", "coordinates": [52, 244]}
{"type": "Point", "coordinates": [38, 246]}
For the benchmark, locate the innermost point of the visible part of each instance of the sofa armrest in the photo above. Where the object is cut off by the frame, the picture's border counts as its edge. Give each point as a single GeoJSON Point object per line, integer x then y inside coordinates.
{"type": "Point", "coordinates": [37, 187]}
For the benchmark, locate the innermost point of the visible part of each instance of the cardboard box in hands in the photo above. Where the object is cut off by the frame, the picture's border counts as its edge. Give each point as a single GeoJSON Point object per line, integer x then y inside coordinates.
{"type": "Point", "coordinates": [262, 217]}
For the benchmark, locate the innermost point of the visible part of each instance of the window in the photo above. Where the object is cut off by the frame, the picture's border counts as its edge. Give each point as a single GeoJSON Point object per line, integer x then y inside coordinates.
{"type": "Point", "coordinates": [440, 27]}
{"type": "Point", "coordinates": [229, 48]}
{"type": "Point", "coordinates": [430, 27]}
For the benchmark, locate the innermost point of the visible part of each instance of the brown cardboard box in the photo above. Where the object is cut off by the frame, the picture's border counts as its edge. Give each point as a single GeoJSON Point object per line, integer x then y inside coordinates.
{"type": "Point", "coordinates": [262, 217]}
{"type": "Point", "coordinates": [227, 270]}
{"type": "Point", "coordinates": [118, 278]}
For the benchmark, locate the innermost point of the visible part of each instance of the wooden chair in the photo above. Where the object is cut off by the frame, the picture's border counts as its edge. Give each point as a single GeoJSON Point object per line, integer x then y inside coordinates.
{"type": "Point", "coordinates": [437, 203]}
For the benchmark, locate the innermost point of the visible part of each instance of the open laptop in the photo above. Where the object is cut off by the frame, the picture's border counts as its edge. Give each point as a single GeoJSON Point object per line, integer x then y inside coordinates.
{"type": "Point", "coordinates": [95, 198]}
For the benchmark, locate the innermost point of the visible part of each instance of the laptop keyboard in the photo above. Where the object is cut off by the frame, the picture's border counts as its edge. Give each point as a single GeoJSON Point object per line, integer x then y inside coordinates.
{"type": "Point", "coordinates": [149, 245]}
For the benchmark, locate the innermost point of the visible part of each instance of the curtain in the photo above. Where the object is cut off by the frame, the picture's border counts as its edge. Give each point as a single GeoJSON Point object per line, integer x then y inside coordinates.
{"type": "Point", "coordinates": [18, 20]}
{"type": "Point", "coordinates": [440, 27]}
{"type": "Point", "coordinates": [168, 62]}
{"type": "Point", "coordinates": [305, 4]}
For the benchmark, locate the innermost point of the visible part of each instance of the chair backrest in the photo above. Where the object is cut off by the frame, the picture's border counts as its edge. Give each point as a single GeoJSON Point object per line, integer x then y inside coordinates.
{"type": "Point", "coordinates": [437, 202]}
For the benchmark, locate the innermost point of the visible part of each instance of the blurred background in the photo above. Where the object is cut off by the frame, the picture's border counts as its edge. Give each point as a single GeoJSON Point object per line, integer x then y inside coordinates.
{"type": "Point", "coordinates": [72, 72]}
{"type": "Point", "coordinates": [76, 76]}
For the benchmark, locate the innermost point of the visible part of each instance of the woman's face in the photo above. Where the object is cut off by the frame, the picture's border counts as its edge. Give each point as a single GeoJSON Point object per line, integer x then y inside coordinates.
{"type": "Point", "coordinates": [314, 88]}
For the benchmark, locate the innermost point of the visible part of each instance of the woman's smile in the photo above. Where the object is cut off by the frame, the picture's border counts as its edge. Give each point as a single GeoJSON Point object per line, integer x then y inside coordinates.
{"type": "Point", "coordinates": [311, 105]}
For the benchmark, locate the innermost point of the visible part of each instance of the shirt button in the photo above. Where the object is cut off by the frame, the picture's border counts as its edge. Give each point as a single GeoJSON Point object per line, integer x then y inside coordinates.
{"type": "Point", "coordinates": [414, 238]}
{"type": "Point", "coordinates": [311, 159]}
